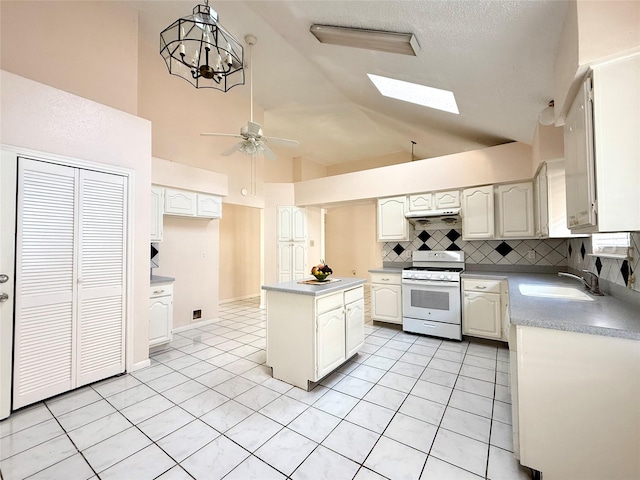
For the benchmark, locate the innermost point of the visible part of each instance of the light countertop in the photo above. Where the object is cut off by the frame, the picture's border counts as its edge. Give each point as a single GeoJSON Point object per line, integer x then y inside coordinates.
{"type": "Point", "coordinates": [155, 279]}
{"type": "Point", "coordinates": [386, 270]}
{"type": "Point", "coordinates": [603, 315]}
{"type": "Point", "coordinates": [342, 283]}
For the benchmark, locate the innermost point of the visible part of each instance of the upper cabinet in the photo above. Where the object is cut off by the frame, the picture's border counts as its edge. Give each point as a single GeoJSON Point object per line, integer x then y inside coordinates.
{"type": "Point", "coordinates": [157, 209]}
{"type": "Point", "coordinates": [422, 201]}
{"type": "Point", "coordinates": [515, 210]}
{"type": "Point", "coordinates": [182, 203]}
{"type": "Point", "coordinates": [478, 213]}
{"type": "Point", "coordinates": [602, 150]}
{"type": "Point", "coordinates": [292, 224]}
{"type": "Point", "coordinates": [179, 202]}
{"type": "Point", "coordinates": [208, 206]}
{"type": "Point", "coordinates": [392, 224]}
{"type": "Point", "coordinates": [444, 200]}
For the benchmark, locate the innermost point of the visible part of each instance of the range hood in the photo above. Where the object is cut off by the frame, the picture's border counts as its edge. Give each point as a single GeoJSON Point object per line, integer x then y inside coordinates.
{"type": "Point", "coordinates": [434, 218]}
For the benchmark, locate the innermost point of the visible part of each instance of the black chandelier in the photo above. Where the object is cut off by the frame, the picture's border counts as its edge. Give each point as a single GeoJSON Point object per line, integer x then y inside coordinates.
{"type": "Point", "coordinates": [198, 49]}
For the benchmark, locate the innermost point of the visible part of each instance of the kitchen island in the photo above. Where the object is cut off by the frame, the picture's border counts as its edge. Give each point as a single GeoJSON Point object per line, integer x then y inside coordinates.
{"type": "Point", "coordinates": [575, 378]}
{"type": "Point", "coordinates": [312, 329]}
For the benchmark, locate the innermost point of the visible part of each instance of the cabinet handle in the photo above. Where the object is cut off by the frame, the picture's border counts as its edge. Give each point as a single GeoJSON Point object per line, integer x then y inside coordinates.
{"type": "Point", "coordinates": [480, 287]}
{"type": "Point", "coordinates": [157, 292]}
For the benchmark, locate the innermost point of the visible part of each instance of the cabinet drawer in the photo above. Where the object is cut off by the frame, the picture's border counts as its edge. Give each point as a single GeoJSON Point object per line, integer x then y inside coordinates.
{"type": "Point", "coordinates": [330, 302]}
{"type": "Point", "coordinates": [354, 295]}
{"type": "Point", "coordinates": [161, 290]}
{"type": "Point", "coordinates": [481, 285]}
{"type": "Point", "coordinates": [390, 278]}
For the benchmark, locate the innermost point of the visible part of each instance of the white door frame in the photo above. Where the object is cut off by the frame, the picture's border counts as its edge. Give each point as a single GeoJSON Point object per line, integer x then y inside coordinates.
{"type": "Point", "coordinates": [9, 158]}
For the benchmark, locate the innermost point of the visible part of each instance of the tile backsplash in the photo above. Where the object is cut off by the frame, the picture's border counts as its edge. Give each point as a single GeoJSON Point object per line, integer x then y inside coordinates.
{"type": "Point", "coordinates": [618, 271]}
{"type": "Point", "coordinates": [548, 252]}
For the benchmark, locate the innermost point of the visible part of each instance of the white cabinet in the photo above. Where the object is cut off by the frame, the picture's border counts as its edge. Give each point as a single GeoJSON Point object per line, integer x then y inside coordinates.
{"type": "Point", "coordinates": [291, 245]}
{"type": "Point", "coordinates": [392, 224]}
{"type": "Point", "coordinates": [602, 150]}
{"type": "Point", "coordinates": [161, 314]}
{"type": "Point", "coordinates": [308, 337]}
{"type": "Point", "coordinates": [482, 308]}
{"type": "Point", "coordinates": [422, 201]}
{"type": "Point", "coordinates": [157, 210]}
{"type": "Point", "coordinates": [541, 199]}
{"type": "Point", "coordinates": [478, 213]}
{"type": "Point", "coordinates": [515, 210]}
{"type": "Point", "coordinates": [179, 202]}
{"type": "Point", "coordinates": [208, 206]}
{"type": "Point", "coordinates": [445, 200]}
{"type": "Point", "coordinates": [386, 297]}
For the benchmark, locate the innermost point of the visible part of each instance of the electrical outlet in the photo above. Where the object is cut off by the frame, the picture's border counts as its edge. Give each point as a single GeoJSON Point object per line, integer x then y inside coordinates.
{"type": "Point", "coordinates": [197, 314]}
{"type": "Point", "coordinates": [531, 254]}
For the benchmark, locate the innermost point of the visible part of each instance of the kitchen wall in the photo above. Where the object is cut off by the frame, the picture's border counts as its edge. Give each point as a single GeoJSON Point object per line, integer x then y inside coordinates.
{"type": "Point", "coordinates": [549, 252]}
{"type": "Point", "coordinates": [239, 252]}
{"type": "Point", "coordinates": [614, 270]}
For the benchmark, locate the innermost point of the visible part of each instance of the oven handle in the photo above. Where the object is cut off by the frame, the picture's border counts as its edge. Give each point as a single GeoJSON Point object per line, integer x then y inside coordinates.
{"type": "Point", "coordinates": [430, 283]}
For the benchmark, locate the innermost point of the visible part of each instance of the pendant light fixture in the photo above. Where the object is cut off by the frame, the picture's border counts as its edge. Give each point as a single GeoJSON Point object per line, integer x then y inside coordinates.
{"type": "Point", "coordinates": [198, 49]}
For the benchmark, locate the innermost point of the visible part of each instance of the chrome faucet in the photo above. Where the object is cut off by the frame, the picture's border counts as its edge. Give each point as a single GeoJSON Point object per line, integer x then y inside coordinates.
{"type": "Point", "coordinates": [592, 284]}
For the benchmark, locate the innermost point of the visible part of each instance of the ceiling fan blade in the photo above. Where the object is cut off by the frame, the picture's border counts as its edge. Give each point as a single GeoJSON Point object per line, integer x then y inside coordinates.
{"type": "Point", "coordinates": [229, 151]}
{"type": "Point", "coordinates": [282, 141]}
{"type": "Point", "coordinates": [267, 152]}
{"type": "Point", "coordinates": [207, 134]}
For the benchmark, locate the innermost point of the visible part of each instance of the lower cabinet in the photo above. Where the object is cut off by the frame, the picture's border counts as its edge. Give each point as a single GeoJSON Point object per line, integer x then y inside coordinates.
{"type": "Point", "coordinates": [161, 314]}
{"type": "Point", "coordinates": [310, 336]}
{"type": "Point", "coordinates": [482, 308]}
{"type": "Point", "coordinates": [386, 297]}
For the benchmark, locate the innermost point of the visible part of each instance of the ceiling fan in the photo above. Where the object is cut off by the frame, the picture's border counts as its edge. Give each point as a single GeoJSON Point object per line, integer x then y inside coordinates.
{"type": "Point", "coordinates": [253, 141]}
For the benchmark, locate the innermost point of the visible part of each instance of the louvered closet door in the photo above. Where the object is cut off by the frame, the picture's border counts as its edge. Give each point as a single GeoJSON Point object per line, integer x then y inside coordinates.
{"type": "Point", "coordinates": [101, 276]}
{"type": "Point", "coordinates": [45, 282]}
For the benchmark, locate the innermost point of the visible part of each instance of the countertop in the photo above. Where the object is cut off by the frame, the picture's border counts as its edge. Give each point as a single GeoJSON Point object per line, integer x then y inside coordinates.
{"type": "Point", "coordinates": [344, 283]}
{"type": "Point", "coordinates": [160, 279]}
{"type": "Point", "coordinates": [604, 315]}
{"type": "Point", "coordinates": [386, 270]}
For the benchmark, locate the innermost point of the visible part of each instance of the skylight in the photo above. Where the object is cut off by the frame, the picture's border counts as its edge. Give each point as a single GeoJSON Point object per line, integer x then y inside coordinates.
{"type": "Point", "coordinates": [414, 93]}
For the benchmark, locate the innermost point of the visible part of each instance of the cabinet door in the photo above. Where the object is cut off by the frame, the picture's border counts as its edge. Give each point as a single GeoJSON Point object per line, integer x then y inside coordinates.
{"type": "Point", "coordinates": [285, 224]}
{"type": "Point", "coordinates": [579, 161]}
{"type": "Point", "coordinates": [477, 213]}
{"type": "Point", "coordinates": [386, 303]}
{"type": "Point", "coordinates": [481, 315]}
{"type": "Point", "coordinates": [299, 224]}
{"type": "Point", "coordinates": [354, 318]}
{"type": "Point", "coordinates": [299, 260]}
{"type": "Point", "coordinates": [160, 321]}
{"type": "Point", "coordinates": [208, 206]}
{"type": "Point", "coordinates": [392, 224]}
{"type": "Point", "coordinates": [445, 200]}
{"type": "Point", "coordinates": [541, 201]}
{"type": "Point", "coordinates": [285, 264]}
{"type": "Point", "coordinates": [157, 210]}
{"type": "Point", "coordinates": [515, 210]}
{"type": "Point", "coordinates": [330, 341]}
{"type": "Point", "coordinates": [179, 202]}
{"type": "Point", "coordinates": [423, 201]}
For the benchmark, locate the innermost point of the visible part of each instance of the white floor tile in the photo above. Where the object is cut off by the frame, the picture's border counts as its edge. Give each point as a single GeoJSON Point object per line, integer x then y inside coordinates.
{"type": "Point", "coordinates": [130, 396]}
{"type": "Point", "coordinates": [150, 373]}
{"type": "Point", "coordinates": [436, 469]}
{"type": "Point", "coordinates": [366, 474]}
{"type": "Point", "coordinates": [258, 374]}
{"type": "Point", "coordinates": [283, 409]}
{"type": "Point", "coordinates": [336, 403]}
{"type": "Point", "coordinates": [314, 424]}
{"type": "Point", "coordinates": [226, 415]}
{"type": "Point", "coordinates": [466, 423]}
{"type": "Point", "coordinates": [502, 412]}
{"type": "Point", "coordinates": [167, 382]}
{"type": "Point", "coordinates": [99, 430]}
{"type": "Point", "coordinates": [371, 416]}
{"type": "Point", "coordinates": [147, 408]}
{"type": "Point", "coordinates": [234, 387]}
{"type": "Point", "coordinates": [503, 394]}
{"type": "Point", "coordinates": [473, 385]}
{"type": "Point", "coordinates": [504, 466]}
{"type": "Point", "coordinates": [324, 464]}
{"type": "Point", "coordinates": [257, 397]}
{"type": "Point", "coordinates": [398, 382]}
{"type": "Point", "coordinates": [422, 409]}
{"type": "Point", "coordinates": [450, 355]}
{"type": "Point", "coordinates": [165, 423]}
{"type": "Point", "coordinates": [197, 369]}
{"type": "Point", "coordinates": [307, 397]}
{"type": "Point", "coordinates": [277, 385]}
{"type": "Point", "coordinates": [488, 363]}
{"type": "Point", "coordinates": [502, 435]}
{"type": "Point", "coordinates": [286, 450]}
{"type": "Point", "coordinates": [385, 397]}
{"type": "Point", "coordinates": [187, 440]}
{"type": "Point", "coordinates": [478, 373]}
{"type": "Point", "coordinates": [353, 386]}
{"type": "Point", "coordinates": [409, 369]}
{"type": "Point", "coordinates": [370, 374]}
{"type": "Point", "coordinates": [432, 391]}
{"type": "Point", "coordinates": [184, 391]}
{"type": "Point", "coordinates": [146, 464]}
{"type": "Point", "coordinates": [84, 415]}
{"type": "Point", "coordinates": [111, 386]}
{"type": "Point", "coordinates": [29, 437]}
{"type": "Point", "coordinates": [24, 418]}
{"type": "Point", "coordinates": [175, 473]}
{"type": "Point", "coordinates": [72, 468]}
{"type": "Point", "coordinates": [391, 353]}
{"type": "Point", "coordinates": [379, 362]}
{"type": "Point", "coordinates": [254, 468]}
{"type": "Point", "coordinates": [395, 460]}
{"type": "Point", "coordinates": [215, 377]}
{"type": "Point", "coordinates": [472, 403]}
{"type": "Point", "coordinates": [445, 365]}
{"type": "Point", "coordinates": [203, 403]}
{"type": "Point", "coordinates": [72, 400]}
{"type": "Point", "coordinates": [412, 432]}
{"type": "Point", "coordinates": [254, 431]}
{"type": "Point", "coordinates": [461, 451]}
{"type": "Point", "coordinates": [352, 441]}
{"type": "Point", "coordinates": [114, 449]}
{"type": "Point", "coordinates": [215, 460]}
{"type": "Point", "coordinates": [415, 359]}
{"type": "Point", "coordinates": [440, 377]}
{"type": "Point", "coordinates": [37, 458]}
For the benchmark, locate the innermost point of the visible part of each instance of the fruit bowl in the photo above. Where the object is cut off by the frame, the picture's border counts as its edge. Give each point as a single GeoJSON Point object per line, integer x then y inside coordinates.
{"type": "Point", "coordinates": [321, 271]}
{"type": "Point", "coordinates": [320, 276]}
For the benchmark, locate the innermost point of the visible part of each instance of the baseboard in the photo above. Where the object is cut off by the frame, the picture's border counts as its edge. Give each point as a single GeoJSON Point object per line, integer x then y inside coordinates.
{"type": "Point", "coordinates": [237, 299]}
{"type": "Point", "coordinates": [140, 365]}
{"type": "Point", "coordinates": [195, 325]}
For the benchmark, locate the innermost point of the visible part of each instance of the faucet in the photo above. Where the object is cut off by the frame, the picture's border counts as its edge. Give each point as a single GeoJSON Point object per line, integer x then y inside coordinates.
{"type": "Point", "coordinates": [592, 285]}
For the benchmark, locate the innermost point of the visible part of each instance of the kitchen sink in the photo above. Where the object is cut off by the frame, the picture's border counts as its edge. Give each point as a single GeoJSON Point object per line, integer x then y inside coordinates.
{"type": "Point", "coordinates": [554, 291]}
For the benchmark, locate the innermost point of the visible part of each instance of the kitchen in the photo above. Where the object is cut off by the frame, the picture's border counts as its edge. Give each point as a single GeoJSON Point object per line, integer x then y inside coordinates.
{"type": "Point", "coordinates": [171, 141]}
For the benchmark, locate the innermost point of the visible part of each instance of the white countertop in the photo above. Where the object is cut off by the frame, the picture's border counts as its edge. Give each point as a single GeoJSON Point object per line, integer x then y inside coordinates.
{"type": "Point", "coordinates": [156, 279]}
{"type": "Point", "coordinates": [603, 315]}
{"type": "Point", "coordinates": [343, 283]}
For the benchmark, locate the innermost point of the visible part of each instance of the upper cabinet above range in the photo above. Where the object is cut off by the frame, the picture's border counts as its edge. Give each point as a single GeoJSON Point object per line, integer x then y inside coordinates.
{"type": "Point", "coordinates": [602, 149]}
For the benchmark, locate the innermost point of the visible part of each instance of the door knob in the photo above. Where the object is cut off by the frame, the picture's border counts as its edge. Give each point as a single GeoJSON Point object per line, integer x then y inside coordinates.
{"type": "Point", "coordinates": [4, 297]}
{"type": "Point", "coordinates": [4, 278]}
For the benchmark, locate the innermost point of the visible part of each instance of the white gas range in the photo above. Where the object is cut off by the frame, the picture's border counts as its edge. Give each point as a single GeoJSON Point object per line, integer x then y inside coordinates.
{"type": "Point", "coordinates": [431, 297]}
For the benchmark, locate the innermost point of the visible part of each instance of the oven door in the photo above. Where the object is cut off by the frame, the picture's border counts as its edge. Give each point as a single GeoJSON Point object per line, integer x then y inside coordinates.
{"type": "Point", "coordinates": [429, 300]}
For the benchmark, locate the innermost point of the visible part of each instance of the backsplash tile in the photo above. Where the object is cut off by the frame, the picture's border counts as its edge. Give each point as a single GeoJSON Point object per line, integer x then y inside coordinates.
{"type": "Point", "coordinates": [617, 271]}
{"type": "Point", "coordinates": [549, 252]}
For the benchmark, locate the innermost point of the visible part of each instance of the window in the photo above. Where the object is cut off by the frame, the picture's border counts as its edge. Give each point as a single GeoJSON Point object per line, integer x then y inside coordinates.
{"type": "Point", "coordinates": [614, 244]}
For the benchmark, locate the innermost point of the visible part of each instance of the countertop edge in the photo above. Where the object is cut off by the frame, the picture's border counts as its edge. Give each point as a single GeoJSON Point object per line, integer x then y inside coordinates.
{"type": "Point", "coordinates": [156, 279]}
{"type": "Point", "coordinates": [314, 290]}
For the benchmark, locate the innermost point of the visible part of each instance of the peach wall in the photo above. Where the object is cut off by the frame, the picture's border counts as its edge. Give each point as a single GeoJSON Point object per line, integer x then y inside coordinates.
{"type": "Point", "coordinates": [178, 175]}
{"type": "Point", "coordinates": [65, 45]}
{"type": "Point", "coordinates": [42, 118]}
{"type": "Point", "coordinates": [305, 169]}
{"type": "Point", "coordinates": [367, 163]}
{"type": "Point", "coordinates": [548, 144]}
{"type": "Point", "coordinates": [503, 163]}
{"type": "Point", "coordinates": [239, 252]}
{"type": "Point", "coordinates": [189, 252]}
{"type": "Point", "coordinates": [361, 251]}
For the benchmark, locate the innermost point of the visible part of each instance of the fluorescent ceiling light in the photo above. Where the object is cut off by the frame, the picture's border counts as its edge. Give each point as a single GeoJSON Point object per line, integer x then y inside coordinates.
{"type": "Point", "coordinates": [391, 42]}
{"type": "Point", "coordinates": [414, 93]}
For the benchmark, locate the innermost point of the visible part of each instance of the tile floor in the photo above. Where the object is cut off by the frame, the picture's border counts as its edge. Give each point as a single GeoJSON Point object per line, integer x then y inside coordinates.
{"type": "Point", "coordinates": [406, 407]}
